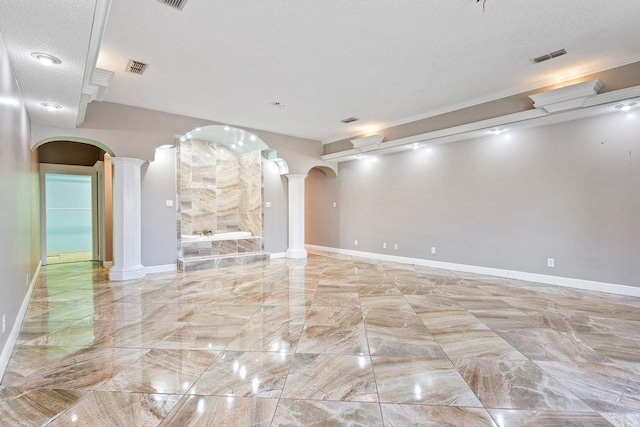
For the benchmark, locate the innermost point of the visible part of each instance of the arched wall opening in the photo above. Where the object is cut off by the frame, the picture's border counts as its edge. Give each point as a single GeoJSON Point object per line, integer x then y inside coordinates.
{"type": "Point", "coordinates": [322, 208]}
{"type": "Point", "coordinates": [75, 189]}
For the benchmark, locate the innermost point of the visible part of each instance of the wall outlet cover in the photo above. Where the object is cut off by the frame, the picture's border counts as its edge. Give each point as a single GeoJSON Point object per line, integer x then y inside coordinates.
{"type": "Point", "coordinates": [433, 250]}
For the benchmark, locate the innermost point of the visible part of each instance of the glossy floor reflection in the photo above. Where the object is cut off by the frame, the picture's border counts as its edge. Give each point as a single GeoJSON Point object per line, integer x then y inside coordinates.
{"type": "Point", "coordinates": [327, 341]}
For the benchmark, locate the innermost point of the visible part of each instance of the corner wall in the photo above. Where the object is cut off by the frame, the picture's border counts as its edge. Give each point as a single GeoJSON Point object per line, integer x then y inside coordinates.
{"type": "Point", "coordinates": [19, 213]}
{"type": "Point", "coordinates": [569, 191]}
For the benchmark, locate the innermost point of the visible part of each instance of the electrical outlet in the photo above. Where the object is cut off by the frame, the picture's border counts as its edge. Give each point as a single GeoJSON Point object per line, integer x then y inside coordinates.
{"type": "Point", "coordinates": [355, 242]}
{"type": "Point", "coordinates": [267, 204]}
{"type": "Point", "coordinates": [168, 203]}
{"type": "Point", "coordinates": [433, 250]}
{"type": "Point", "coordinates": [395, 246]}
{"type": "Point", "coordinates": [551, 262]}
{"type": "Point", "coordinates": [4, 323]}
{"type": "Point", "coordinates": [335, 204]}
{"type": "Point", "coordinates": [384, 246]}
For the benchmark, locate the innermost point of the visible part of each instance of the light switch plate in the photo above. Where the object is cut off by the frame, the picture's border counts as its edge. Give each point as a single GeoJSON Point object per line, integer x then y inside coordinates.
{"type": "Point", "coordinates": [267, 204]}
{"type": "Point", "coordinates": [169, 203]}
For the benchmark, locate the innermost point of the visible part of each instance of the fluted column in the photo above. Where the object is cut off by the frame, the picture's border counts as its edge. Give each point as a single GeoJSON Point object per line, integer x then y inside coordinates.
{"type": "Point", "coordinates": [127, 234]}
{"type": "Point", "coordinates": [296, 216]}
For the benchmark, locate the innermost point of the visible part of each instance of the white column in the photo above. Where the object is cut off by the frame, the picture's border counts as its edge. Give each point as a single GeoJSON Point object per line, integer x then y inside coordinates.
{"type": "Point", "coordinates": [127, 240]}
{"type": "Point", "coordinates": [296, 216]}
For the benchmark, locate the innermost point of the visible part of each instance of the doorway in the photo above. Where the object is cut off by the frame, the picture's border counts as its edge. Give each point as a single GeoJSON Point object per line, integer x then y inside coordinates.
{"type": "Point", "coordinates": [69, 217]}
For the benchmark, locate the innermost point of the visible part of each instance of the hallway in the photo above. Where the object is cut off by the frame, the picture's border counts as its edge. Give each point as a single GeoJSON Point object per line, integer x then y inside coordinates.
{"type": "Point", "coordinates": [331, 340]}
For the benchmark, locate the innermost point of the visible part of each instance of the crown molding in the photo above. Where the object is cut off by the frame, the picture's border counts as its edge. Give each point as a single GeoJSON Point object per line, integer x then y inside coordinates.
{"type": "Point", "coordinates": [592, 106]}
{"type": "Point", "coordinates": [591, 69]}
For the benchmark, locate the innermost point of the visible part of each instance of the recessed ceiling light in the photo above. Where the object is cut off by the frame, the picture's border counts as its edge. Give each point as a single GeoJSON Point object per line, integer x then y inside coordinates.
{"type": "Point", "coordinates": [497, 131]}
{"type": "Point", "coordinates": [227, 128]}
{"type": "Point", "coordinates": [252, 137]}
{"type": "Point", "coordinates": [415, 146]}
{"type": "Point", "coordinates": [360, 156]}
{"type": "Point", "coordinates": [198, 129]}
{"type": "Point", "coordinates": [51, 106]}
{"type": "Point", "coordinates": [233, 146]}
{"type": "Point", "coordinates": [627, 106]}
{"type": "Point", "coordinates": [46, 59]}
{"type": "Point", "coordinates": [240, 143]}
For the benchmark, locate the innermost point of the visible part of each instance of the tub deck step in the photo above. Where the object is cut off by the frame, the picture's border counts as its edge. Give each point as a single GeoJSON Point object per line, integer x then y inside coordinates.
{"type": "Point", "coordinates": [220, 261]}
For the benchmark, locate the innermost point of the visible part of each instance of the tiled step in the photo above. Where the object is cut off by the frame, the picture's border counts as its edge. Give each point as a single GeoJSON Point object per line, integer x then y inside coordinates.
{"type": "Point", "coordinates": [220, 261]}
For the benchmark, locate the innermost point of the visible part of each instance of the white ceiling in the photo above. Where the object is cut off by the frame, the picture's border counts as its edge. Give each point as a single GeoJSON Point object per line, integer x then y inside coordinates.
{"type": "Point", "coordinates": [384, 61]}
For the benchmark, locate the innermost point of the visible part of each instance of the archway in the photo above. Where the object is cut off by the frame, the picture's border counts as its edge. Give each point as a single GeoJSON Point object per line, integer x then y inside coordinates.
{"type": "Point", "coordinates": [75, 200]}
{"type": "Point", "coordinates": [322, 208]}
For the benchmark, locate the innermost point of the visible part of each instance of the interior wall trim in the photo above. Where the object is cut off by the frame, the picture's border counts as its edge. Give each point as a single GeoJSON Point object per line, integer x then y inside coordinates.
{"type": "Point", "coordinates": [568, 282]}
{"type": "Point", "coordinates": [164, 268]}
{"type": "Point", "coordinates": [15, 331]}
{"type": "Point", "coordinates": [277, 255]}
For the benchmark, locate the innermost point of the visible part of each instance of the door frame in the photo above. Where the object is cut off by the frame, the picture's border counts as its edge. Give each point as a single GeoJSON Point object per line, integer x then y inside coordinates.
{"type": "Point", "coordinates": [97, 207]}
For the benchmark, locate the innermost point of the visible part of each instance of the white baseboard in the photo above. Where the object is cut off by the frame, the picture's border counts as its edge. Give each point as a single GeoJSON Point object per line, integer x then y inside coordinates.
{"type": "Point", "coordinates": [15, 331]}
{"type": "Point", "coordinates": [277, 255]}
{"type": "Point", "coordinates": [568, 282]}
{"type": "Point", "coordinates": [165, 268]}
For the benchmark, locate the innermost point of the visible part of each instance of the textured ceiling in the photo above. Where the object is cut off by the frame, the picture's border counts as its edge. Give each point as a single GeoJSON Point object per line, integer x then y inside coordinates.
{"type": "Point", "coordinates": [61, 28]}
{"type": "Point", "coordinates": [386, 62]}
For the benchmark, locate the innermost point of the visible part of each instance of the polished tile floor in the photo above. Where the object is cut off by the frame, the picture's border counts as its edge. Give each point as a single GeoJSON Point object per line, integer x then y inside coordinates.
{"type": "Point", "coordinates": [327, 341]}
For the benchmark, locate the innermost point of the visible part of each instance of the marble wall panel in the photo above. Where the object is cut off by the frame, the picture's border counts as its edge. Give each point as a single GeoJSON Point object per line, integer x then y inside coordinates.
{"type": "Point", "coordinates": [196, 249]}
{"type": "Point", "coordinates": [251, 221]}
{"type": "Point", "coordinates": [228, 201]}
{"type": "Point", "coordinates": [224, 247]}
{"type": "Point", "coordinates": [228, 222]}
{"type": "Point", "coordinates": [249, 245]}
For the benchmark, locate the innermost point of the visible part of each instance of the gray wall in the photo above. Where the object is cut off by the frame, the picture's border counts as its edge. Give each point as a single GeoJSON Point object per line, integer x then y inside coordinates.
{"type": "Point", "coordinates": [569, 191]}
{"type": "Point", "coordinates": [19, 229]}
{"type": "Point", "coordinates": [323, 220]}
{"type": "Point", "coordinates": [136, 132]}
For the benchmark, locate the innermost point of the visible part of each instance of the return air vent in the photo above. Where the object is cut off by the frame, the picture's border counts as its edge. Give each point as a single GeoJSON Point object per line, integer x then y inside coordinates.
{"type": "Point", "coordinates": [350, 120]}
{"type": "Point", "coordinates": [176, 4]}
{"type": "Point", "coordinates": [549, 56]}
{"type": "Point", "coordinates": [136, 67]}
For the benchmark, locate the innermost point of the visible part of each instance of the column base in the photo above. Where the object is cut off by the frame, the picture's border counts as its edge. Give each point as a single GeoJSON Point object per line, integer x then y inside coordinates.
{"type": "Point", "coordinates": [296, 253]}
{"type": "Point", "coordinates": [117, 275]}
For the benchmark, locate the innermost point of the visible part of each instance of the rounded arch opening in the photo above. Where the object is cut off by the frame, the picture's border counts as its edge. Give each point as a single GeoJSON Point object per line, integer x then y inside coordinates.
{"type": "Point", "coordinates": [88, 141]}
{"type": "Point", "coordinates": [322, 209]}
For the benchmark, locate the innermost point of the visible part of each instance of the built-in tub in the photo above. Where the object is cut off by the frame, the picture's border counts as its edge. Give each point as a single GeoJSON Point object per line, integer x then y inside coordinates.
{"type": "Point", "coordinates": [231, 235]}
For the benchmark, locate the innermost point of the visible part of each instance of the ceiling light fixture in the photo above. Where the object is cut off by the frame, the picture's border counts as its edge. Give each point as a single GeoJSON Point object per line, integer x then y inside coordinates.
{"type": "Point", "coordinates": [497, 131]}
{"type": "Point", "coordinates": [227, 128]}
{"type": "Point", "coordinates": [51, 106]}
{"type": "Point", "coordinates": [350, 120]}
{"type": "Point", "coordinates": [627, 106]}
{"type": "Point", "coordinates": [252, 137]}
{"type": "Point", "coordinates": [240, 143]}
{"type": "Point", "coordinates": [233, 146]}
{"type": "Point", "coordinates": [415, 146]}
{"type": "Point", "coordinates": [46, 59]}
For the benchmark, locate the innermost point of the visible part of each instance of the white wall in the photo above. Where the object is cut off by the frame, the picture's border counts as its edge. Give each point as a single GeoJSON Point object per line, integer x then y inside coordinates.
{"type": "Point", "coordinates": [569, 191]}
{"type": "Point", "coordinates": [19, 231]}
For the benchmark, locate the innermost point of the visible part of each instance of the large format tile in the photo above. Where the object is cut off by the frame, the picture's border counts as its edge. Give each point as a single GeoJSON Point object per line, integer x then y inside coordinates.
{"type": "Point", "coordinates": [477, 345]}
{"type": "Point", "coordinates": [331, 377]}
{"type": "Point", "coordinates": [215, 411]}
{"type": "Point", "coordinates": [520, 418]}
{"type": "Point", "coordinates": [245, 374]}
{"type": "Point", "coordinates": [162, 371]}
{"type": "Point", "coordinates": [305, 413]}
{"type": "Point", "coordinates": [105, 408]}
{"type": "Point", "coordinates": [434, 416]}
{"type": "Point", "coordinates": [604, 387]}
{"type": "Point", "coordinates": [517, 384]}
{"type": "Point", "coordinates": [32, 407]}
{"type": "Point", "coordinates": [421, 381]}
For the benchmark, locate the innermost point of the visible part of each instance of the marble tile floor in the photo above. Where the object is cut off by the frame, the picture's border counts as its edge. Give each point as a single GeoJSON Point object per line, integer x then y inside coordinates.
{"type": "Point", "coordinates": [328, 341]}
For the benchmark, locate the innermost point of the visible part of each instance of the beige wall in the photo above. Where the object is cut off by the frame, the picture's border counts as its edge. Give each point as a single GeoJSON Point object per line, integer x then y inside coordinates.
{"type": "Point", "coordinates": [569, 191]}
{"type": "Point", "coordinates": [19, 230]}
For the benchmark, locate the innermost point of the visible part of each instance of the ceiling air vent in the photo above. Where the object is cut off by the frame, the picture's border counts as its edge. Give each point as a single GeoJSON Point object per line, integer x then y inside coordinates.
{"type": "Point", "coordinates": [549, 56]}
{"type": "Point", "coordinates": [136, 67]}
{"type": "Point", "coordinates": [176, 4]}
{"type": "Point", "coordinates": [350, 120]}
